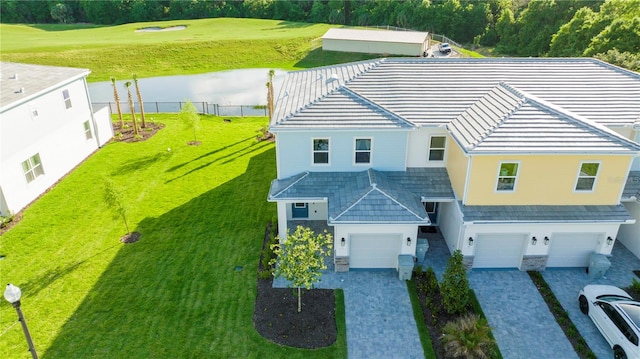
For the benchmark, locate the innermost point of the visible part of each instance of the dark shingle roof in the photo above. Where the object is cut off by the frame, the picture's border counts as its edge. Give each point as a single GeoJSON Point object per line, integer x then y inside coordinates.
{"type": "Point", "coordinates": [632, 187]}
{"type": "Point", "coordinates": [551, 214]}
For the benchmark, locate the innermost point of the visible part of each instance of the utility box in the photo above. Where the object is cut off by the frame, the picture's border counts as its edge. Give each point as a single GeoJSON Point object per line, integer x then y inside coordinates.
{"type": "Point", "coordinates": [405, 266]}
{"type": "Point", "coordinates": [421, 249]}
{"type": "Point", "coordinates": [598, 265]}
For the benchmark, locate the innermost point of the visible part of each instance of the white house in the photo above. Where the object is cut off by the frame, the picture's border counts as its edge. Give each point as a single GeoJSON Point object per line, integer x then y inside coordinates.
{"type": "Point", "coordinates": [519, 163]}
{"type": "Point", "coordinates": [47, 127]}
{"type": "Point", "coordinates": [409, 43]}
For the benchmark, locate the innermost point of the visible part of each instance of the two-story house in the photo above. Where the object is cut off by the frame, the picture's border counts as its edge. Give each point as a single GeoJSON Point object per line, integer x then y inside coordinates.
{"type": "Point", "coordinates": [47, 127]}
{"type": "Point", "coordinates": [520, 163]}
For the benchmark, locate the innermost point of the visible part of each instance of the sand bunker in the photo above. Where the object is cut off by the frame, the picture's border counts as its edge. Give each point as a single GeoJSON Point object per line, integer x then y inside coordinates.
{"type": "Point", "coordinates": [157, 28]}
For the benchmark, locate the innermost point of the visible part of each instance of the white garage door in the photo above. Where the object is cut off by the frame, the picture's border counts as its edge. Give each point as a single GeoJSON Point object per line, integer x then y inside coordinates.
{"type": "Point", "coordinates": [571, 249]}
{"type": "Point", "coordinates": [503, 250]}
{"type": "Point", "coordinates": [374, 250]}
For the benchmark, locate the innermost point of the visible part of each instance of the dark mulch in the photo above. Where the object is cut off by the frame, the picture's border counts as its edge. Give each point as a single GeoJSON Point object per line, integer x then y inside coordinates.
{"type": "Point", "coordinates": [126, 134]}
{"type": "Point", "coordinates": [276, 314]}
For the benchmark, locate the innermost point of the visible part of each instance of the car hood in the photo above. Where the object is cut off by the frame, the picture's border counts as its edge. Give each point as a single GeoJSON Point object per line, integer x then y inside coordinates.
{"type": "Point", "coordinates": [593, 291]}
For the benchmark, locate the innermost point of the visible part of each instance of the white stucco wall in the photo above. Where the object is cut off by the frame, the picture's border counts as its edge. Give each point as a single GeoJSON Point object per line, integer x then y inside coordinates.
{"type": "Point", "coordinates": [346, 230]}
{"type": "Point", "coordinates": [374, 47]}
{"type": "Point", "coordinates": [418, 147]}
{"type": "Point", "coordinates": [629, 234]}
{"type": "Point", "coordinates": [450, 219]}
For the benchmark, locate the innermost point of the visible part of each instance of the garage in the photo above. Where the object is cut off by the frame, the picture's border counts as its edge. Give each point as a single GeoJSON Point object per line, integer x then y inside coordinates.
{"type": "Point", "coordinates": [498, 250]}
{"type": "Point", "coordinates": [374, 250]}
{"type": "Point", "coordinates": [572, 249]}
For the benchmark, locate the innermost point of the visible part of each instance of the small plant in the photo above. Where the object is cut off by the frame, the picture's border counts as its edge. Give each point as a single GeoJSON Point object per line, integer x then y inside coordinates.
{"type": "Point", "coordinates": [4, 220]}
{"type": "Point", "coordinates": [265, 274]}
{"type": "Point", "coordinates": [467, 337]}
{"type": "Point", "coordinates": [455, 285]}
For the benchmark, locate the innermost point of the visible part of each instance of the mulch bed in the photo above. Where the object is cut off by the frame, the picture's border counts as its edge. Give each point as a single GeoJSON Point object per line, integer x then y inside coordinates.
{"type": "Point", "coordinates": [277, 319]}
{"type": "Point", "coordinates": [126, 134]}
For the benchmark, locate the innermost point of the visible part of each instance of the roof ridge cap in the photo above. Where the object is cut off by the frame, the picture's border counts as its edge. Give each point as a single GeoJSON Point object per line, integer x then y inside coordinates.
{"type": "Point", "coordinates": [376, 105]}
{"type": "Point", "coordinates": [304, 174]}
{"type": "Point", "coordinates": [354, 203]}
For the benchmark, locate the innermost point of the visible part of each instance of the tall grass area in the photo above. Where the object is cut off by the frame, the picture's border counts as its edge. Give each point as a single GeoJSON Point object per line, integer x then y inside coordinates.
{"type": "Point", "coordinates": [176, 293]}
{"type": "Point", "coordinates": [205, 45]}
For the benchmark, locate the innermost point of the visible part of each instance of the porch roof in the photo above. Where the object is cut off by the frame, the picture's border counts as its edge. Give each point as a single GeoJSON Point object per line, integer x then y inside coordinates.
{"type": "Point", "coordinates": [369, 196]}
{"type": "Point", "coordinates": [549, 214]}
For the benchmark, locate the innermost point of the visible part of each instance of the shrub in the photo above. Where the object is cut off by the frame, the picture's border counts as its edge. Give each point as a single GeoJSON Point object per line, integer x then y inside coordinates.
{"type": "Point", "coordinates": [467, 337]}
{"type": "Point", "coordinates": [455, 285]}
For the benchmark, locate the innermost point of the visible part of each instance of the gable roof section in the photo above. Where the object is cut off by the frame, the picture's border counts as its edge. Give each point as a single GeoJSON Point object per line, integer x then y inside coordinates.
{"type": "Point", "coordinates": [33, 79]}
{"type": "Point", "coordinates": [368, 196]}
{"type": "Point", "coordinates": [409, 37]}
{"type": "Point", "coordinates": [509, 120]}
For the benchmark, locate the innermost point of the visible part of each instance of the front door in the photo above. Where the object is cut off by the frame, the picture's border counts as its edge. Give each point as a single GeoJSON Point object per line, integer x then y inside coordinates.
{"type": "Point", "coordinates": [300, 210]}
{"type": "Point", "coordinates": [432, 211]}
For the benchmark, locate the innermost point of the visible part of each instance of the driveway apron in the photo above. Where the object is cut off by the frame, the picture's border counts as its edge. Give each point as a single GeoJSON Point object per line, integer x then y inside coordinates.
{"type": "Point", "coordinates": [520, 320]}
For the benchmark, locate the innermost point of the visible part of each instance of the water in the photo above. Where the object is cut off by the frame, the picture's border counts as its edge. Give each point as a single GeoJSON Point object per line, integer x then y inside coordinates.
{"type": "Point", "coordinates": [234, 87]}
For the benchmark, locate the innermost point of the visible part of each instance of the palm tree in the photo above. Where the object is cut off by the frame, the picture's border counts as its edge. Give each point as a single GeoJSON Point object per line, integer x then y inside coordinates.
{"type": "Point", "coordinates": [135, 81]}
{"type": "Point", "coordinates": [132, 108]}
{"type": "Point", "coordinates": [117, 99]}
{"type": "Point", "coordinates": [467, 337]}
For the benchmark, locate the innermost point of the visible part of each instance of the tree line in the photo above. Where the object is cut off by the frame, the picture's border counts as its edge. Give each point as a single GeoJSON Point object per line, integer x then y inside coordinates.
{"type": "Point", "coordinates": [608, 29]}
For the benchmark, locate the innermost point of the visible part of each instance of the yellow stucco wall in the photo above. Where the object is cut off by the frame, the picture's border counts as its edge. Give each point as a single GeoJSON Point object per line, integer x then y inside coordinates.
{"type": "Point", "coordinates": [457, 164]}
{"type": "Point", "coordinates": [545, 180]}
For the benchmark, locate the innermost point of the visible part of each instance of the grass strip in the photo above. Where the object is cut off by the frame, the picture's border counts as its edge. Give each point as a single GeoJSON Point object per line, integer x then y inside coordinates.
{"type": "Point", "coordinates": [425, 340]}
{"type": "Point", "coordinates": [561, 316]}
{"type": "Point", "coordinates": [341, 325]}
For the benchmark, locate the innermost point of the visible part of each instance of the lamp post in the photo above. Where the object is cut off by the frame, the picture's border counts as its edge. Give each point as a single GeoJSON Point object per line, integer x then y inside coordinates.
{"type": "Point", "coordinates": [12, 294]}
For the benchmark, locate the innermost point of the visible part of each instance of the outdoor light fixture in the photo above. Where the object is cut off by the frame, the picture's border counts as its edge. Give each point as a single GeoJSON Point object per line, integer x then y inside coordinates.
{"type": "Point", "coordinates": [546, 240]}
{"type": "Point", "coordinates": [13, 294]}
{"type": "Point", "coordinates": [408, 241]}
{"type": "Point", "coordinates": [609, 240]}
{"type": "Point", "coordinates": [470, 241]}
{"type": "Point", "coordinates": [343, 242]}
{"type": "Point", "coordinates": [534, 240]}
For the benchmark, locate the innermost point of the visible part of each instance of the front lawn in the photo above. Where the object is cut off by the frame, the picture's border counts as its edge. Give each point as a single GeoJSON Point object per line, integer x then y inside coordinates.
{"type": "Point", "coordinates": [186, 288]}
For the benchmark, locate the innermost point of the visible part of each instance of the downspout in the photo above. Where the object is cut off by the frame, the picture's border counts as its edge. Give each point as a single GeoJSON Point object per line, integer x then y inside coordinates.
{"type": "Point", "coordinates": [93, 119]}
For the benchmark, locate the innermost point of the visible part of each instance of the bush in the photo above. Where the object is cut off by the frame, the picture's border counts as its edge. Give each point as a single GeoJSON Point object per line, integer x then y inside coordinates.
{"type": "Point", "coordinates": [455, 285]}
{"type": "Point", "coordinates": [467, 337]}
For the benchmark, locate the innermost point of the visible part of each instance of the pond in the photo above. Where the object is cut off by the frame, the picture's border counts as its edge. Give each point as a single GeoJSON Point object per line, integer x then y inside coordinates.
{"type": "Point", "coordinates": [234, 87]}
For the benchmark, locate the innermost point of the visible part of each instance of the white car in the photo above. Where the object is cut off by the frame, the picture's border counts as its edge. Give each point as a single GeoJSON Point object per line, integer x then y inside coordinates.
{"type": "Point", "coordinates": [444, 48]}
{"type": "Point", "coordinates": [616, 315]}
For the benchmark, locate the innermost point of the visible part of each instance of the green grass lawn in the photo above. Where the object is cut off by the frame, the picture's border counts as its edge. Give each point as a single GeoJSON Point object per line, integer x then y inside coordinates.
{"type": "Point", "coordinates": [206, 45]}
{"type": "Point", "coordinates": [176, 293]}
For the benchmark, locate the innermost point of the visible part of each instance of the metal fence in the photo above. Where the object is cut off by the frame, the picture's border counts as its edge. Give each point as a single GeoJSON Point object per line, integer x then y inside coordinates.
{"type": "Point", "coordinates": [175, 107]}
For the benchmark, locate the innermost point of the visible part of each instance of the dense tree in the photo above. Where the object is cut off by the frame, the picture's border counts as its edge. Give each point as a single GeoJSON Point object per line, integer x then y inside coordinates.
{"type": "Point", "coordinates": [575, 36]}
{"type": "Point", "coordinates": [62, 13]}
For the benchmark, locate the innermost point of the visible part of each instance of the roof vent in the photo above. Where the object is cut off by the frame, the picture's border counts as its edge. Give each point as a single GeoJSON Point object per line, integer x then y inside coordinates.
{"type": "Point", "coordinates": [20, 90]}
{"type": "Point", "coordinates": [14, 77]}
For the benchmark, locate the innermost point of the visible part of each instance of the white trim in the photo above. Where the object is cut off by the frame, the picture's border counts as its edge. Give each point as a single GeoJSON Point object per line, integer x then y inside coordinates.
{"type": "Point", "coordinates": [595, 179]}
{"type": "Point", "coordinates": [515, 181]}
{"type": "Point", "coordinates": [355, 139]}
{"type": "Point", "coordinates": [313, 151]}
{"type": "Point", "coordinates": [444, 148]}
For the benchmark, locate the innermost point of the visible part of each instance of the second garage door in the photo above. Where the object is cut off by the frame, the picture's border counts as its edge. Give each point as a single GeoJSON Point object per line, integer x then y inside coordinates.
{"type": "Point", "coordinates": [498, 250]}
{"type": "Point", "coordinates": [374, 250]}
{"type": "Point", "coordinates": [571, 249]}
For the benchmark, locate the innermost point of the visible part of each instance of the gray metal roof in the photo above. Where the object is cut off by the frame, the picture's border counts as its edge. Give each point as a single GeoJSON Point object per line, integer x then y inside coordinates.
{"type": "Point", "coordinates": [632, 187]}
{"type": "Point", "coordinates": [409, 37]}
{"type": "Point", "coordinates": [21, 82]}
{"type": "Point", "coordinates": [550, 214]}
{"type": "Point", "coordinates": [509, 120]}
{"type": "Point", "coordinates": [434, 91]}
{"type": "Point", "coordinates": [368, 196]}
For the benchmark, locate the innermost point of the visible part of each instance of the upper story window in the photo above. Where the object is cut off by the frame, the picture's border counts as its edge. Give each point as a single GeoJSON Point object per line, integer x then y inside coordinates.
{"type": "Point", "coordinates": [87, 130]}
{"type": "Point", "coordinates": [436, 148]}
{"type": "Point", "coordinates": [32, 168]}
{"type": "Point", "coordinates": [67, 98]}
{"type": "Point", "coordinates": [33, 110]}
{"type": "Point", "coordinates": [363, 150]}
{"type": "Point", "coordinates": [587, 176]}
{"type": "Point", "coordinates": [507, 176]}
{"type": "Point", "coordinates": [321, 151]}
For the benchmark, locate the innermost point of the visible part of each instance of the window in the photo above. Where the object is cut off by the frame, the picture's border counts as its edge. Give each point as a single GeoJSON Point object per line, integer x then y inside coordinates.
{"type": "Point", "coordinates": [587, 176]}
{"type": "Point", "coordinates": [32, 168]}
{"type": "Point", "coordinates": [507, 176]}
{"type": "Point", "coordinates": [34, 111]}
{"type": "Point", "coordinates": [67, 98]}
{"type": "Point", "coordinates": [363, 150]}
{"type": "Point", "coordinates": [436, 148]}
{"type": "Point", "coordinates": [321, 151]}
{"type": "Point", "coordinates": [87, 130]}
{"type": "Point", "coordinates": [430, 207]}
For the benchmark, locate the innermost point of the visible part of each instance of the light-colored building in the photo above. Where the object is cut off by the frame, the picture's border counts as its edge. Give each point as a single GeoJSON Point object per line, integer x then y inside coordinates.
{"type": "Point", "coordinates": [519, 163]}
{"type": "Point", "coordinates": [409, 43]}
{"type": "Point", "coordinates": [47, 127]}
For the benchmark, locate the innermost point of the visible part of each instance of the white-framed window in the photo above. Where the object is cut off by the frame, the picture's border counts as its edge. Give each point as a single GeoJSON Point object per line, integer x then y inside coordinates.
{"type": "Point", "coordinates": [587, 176]}
{"type": "Point", "coordinates": [363, 150]}
{"type": "Point", "coordinates": [33, 110]}
{"type": "Point", "coordinates": [67, 99]}
{"type": "Point", "coordinates": [320, 151]}
{"type": "Point", "coordinates": [437, 147]}
{"type": "Point", "coordinates": [430, 207]}
{"type": "Point", "coordinates": [507, 176]}
{"type": "Point", "coordinates": [87, 130]}
{"type": "Point", "coordinates": [32, 168]}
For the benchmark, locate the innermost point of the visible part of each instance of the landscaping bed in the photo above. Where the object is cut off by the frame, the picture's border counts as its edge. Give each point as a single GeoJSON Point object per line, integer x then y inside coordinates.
{"type": "Point", "coordinates": [125, 133]}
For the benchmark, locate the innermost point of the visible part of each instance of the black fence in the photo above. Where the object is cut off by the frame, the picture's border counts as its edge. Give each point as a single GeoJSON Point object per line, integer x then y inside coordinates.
{"type": "Point", "coordinates": [202, 107]}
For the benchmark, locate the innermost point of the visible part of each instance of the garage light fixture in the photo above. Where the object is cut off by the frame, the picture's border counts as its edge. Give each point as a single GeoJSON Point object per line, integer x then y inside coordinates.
{"type": "Point", "coordinates": [609, 240]}
{"type": "Point", "coordinates": [343, 242]}
{"type": "Point", "coordinates": [470, 241]}
{"type": "Point", "coordinates": [408, 241]}
{"type": "Point", "coordinates": [534, 240]}
{"type": "Point", "coordinates": [546, 240]}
